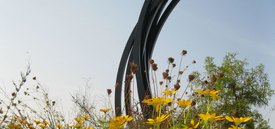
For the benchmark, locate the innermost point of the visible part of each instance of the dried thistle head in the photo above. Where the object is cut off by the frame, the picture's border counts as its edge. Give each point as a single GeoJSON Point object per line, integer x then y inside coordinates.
{"type": "Point", "coordinates": [134, 68]}
{"type": "Point", "coordinates": [154, 66]}
{"type": "Point", "coordinates": [171, 60]}
{"type": "Point", "coordinates": [165, 75]}
{"type": "Point", "coordinates": [130, 77]}
{"type": "Point", "coordinates": [177, 86]}
{"type": "Point", "coordinates": [169, 78]}
{"type": "Point", "coordinates": [151, 61]}
{"type": "Point", "coordinates": [109, 91]}
{"type": "Point", "coordinates": [191, 77]}
{"type": "Point", "coordinates": [205, 81]}
{"type": "Point", "coordinates": [183, 52]}
{"type": "Point", "coordinates": [13, 94]}
{"type": "Point", "coordinates": [174, 65]}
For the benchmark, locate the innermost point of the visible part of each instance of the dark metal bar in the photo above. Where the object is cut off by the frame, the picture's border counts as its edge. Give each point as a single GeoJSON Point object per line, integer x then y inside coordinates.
{"type": "Point", "coordinates": [139, 49]}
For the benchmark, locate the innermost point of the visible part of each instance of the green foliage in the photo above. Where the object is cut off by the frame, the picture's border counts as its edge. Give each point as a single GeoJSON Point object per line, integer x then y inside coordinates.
{"type": "Point", "coordinates": [241, 88]}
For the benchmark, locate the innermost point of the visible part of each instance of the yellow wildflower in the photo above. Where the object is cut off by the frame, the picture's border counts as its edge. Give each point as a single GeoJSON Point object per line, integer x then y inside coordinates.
{"type": "Point", "coordinates": [59, 126]}
{"type": "Point", "coordinates": [157, 120]}
{"type": "Point", "coordinates": [207, 116]}
{"type": "Point", "coordinates": [86, 116]}
{"type": "Point", "coordinates": [42, 126]}
{"type": "Point", "coordinates": [237, 121]}
{"type": "Point", "coordinates": [119, 121]}
{"type": "Point", "coordinates": [184, 103]}
{"type": "Point", "coordinates": [14, 126]}
{"type": "Point", "coordinates": [44, 122]}
{"type": "Point", "coordinates": [79, 119]}
{"type": "Point", "coordinates": [169, 92]}
{"type": "Point", "coordinates": [212, 93]}
{"type": "Point", "coordinates": [37, 122]}
{"type": "Point", "coordinates": [157, 102]}
{"type": "Point", "coordinates": [78, 126]}
{"type": "Point", "coordinates": [193, 125]}
{"type": "Point", "coordinates": [89, 127]}
{"type": "Point", "coordinates": [105, 110]}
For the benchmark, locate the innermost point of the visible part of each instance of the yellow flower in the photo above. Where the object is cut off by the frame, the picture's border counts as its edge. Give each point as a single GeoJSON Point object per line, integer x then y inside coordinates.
{"type": "Point", "coordinates": [59, 126]}
{"type": "Point", "coordinates": [184, 103]}
{"type": "Point", "coordinates": [157, 120]}
{"type": "Point", "coordinates": [237, 121]}
{"type": "Point", "coordinates": [78, 126]}
{"type": "Point", "coordinates": [86, 116]}
{"type": "Point", "coordinates": [105, 110]}
{"type": "Point", "coordinates": [37, 122]}
{"type": "Point", "coordinates": [14, 126]}
{"type": "Point", "coordinates": [169, 92]}
{"type": "Point", "coordinates": [234, 127]}
{"type": "Point", "coordinates": [212, 93]}
{"type": "Point", "coordinates": [79, 119]}
{"type": "Point", "coordinates": [119, 121]}
{"type": "Point", "coordinates": [193, 125]}
{"type": "Point", "coordinates": [42, 126]}
{"type": "Point", "coordinates": [207, 116]}
{"type": "Point", "coordinates": [44, 122]}
{"type": "Point", "coordinates": [89, 127]}
{"type": "Point", "coordinates": [157, 102]}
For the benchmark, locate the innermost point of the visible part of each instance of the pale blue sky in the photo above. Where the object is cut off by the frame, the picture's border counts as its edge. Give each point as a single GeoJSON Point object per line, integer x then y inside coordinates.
{"type": "Point", "coordinates": [68, 40]}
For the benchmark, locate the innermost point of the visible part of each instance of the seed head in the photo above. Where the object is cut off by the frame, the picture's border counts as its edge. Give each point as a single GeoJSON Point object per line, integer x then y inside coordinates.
{"type": "Point", "coordinates": [130, 77]}
{"type": "Point", "coordinates": [13, 94]}
{"type": "Point", "coordinates": [151, 61]}
{"type": "Point", "coordinates": [109, 91]}
{"type": "Point", "coordinates": [154, 66]}
{"type": "Point", "coordinates": [177, 86]}
{"type": "Point", "coordinates": [165, 75]}
{"type": "Point", "coordinates": [174, 65]}
{"type": "Point", "coordinates": [134, 68]}
{"type": "Point", "coordinates": [171, 60]}
{"type": "Point", "coordinates": [169, 78]}
{"type": "Point", "coordinates": [193, 103]}
{"type": "Point", "coordinates": [183, 52]}
{"type": "Point", "coordinates": [191, 77]}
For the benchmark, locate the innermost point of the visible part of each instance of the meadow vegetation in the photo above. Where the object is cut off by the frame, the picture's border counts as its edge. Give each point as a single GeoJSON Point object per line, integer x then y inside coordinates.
{"type": "Point", "coordinates": [223, 97]}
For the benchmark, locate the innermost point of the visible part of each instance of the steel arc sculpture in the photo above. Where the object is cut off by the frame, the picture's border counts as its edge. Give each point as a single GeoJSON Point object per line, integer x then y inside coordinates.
{"type": "Point", "coordinates": [139, 49]}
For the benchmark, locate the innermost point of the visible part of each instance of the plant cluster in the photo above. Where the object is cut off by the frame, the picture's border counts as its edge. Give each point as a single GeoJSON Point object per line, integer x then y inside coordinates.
{"type": "Point", "coordinates": [177, 103]}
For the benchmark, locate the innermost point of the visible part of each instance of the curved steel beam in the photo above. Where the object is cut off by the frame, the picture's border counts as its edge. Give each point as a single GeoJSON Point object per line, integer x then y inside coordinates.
{"type": "Point", "coordinates": [138, 50]}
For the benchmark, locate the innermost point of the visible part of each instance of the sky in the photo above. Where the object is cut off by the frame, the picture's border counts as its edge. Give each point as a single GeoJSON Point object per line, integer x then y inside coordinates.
{"type": "Point", "coordinates": [69, 43]}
